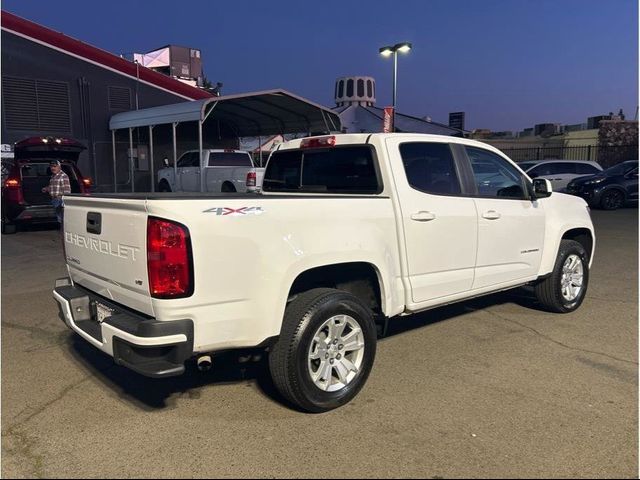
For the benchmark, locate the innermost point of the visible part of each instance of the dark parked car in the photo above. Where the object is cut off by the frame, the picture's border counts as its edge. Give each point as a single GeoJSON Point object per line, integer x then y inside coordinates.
{"type": "Point", "coordinates": [24, 176]}
{"type": "Point", "coordinates": [610, 189]}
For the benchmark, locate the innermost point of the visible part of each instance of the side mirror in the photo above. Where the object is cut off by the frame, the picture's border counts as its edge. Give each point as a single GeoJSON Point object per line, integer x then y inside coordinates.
{"type": "Point", "coordinates": [542, 188]}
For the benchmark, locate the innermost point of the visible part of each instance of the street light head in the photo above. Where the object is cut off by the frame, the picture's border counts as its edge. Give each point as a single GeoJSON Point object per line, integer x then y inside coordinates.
{"type": "Point", "coordinates": [386, 51]}
{"type": "Point", "coordinates": [403, 47]}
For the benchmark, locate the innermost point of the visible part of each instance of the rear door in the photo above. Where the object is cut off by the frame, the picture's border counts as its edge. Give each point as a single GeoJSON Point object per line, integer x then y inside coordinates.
{"type": "Point", "coordinates": [440, 224]}
{"type": "Point", "coordinates": [105, 248]}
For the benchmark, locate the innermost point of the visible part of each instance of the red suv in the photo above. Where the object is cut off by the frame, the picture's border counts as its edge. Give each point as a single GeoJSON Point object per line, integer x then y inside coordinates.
{"type": "Point", "coordinates": [24, 176]}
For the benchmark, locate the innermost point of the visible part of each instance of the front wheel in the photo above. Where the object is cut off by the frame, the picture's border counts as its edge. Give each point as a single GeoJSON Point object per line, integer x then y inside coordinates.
{"type": "Point", "coordinates": [325, 351]}
{"type": "Point", "coordinates": [564, 290]}
{"type": "Point", "coordinates": [612, 200]}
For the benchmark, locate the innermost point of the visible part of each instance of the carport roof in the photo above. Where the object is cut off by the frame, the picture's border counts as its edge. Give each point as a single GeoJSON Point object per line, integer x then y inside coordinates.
{"type": "Point", "coordinates": [264, 113]}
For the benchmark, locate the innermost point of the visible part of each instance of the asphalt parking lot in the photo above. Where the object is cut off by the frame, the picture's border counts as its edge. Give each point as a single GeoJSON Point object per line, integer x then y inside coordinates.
{"type": "Point", "coordinates": [488, 388]}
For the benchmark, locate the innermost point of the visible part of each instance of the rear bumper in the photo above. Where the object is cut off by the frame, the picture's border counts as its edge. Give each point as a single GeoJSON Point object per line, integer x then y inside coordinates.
{"type": "Point", "coordinates": [142, 344]}
{"type": "Point", "coordinates": [31, 213]}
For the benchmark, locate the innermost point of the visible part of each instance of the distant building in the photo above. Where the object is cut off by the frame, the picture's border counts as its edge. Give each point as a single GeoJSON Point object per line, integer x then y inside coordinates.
{"type": "Point", "coordinates": [55, 85]}
{"type": "Point", "coordinates": [576, 127]}
{"type": "Point", "coordinates": [355, 99]}
{"type": "Point", "coordinates": [594, 122]}
{"type": "Point", "coordinates": [546, 129]}
{"type": "Point", "coordinates": [527, 132]}
{"type": "Point", "coordinates": [456, 120]}
{"type": "Point", "coordinates": [181, 63]}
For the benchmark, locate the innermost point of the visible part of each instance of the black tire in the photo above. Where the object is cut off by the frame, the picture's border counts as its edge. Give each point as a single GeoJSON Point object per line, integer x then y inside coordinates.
{"type": "Point", "coordinates": [8, 228]}
{"type": "Point", "coordinates": [612, 199]}
{"type": "Point", "coordinates": [549, 290]}
{"type": "Point", "coordinates": [164, 187]}
{"type": "Point", "coordinates": [288, 358]}
{"type": "Point", "coordinates": [228, 188]}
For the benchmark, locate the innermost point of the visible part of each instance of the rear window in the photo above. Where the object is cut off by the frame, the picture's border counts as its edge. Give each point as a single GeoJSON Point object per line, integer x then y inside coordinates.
{"type": "Point", "coordinates": [587, 169]}
{"type": "Point", "coordinates": [349, 169]}
{"type": "Point", "coordinates": [32, 170]}
{"type": "Point", "coordinates": [228, 159]}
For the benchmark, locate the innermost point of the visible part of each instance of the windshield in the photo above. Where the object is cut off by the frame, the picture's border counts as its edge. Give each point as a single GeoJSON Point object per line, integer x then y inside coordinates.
{"type": "Point", "coordinates": [620, 169]}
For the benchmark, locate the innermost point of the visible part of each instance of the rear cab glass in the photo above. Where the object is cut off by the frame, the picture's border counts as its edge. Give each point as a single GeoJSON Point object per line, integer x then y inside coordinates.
{"type": "Point", "coordinates": [349, 169]}
{"type": "Point", "coordinates": [229, 159]}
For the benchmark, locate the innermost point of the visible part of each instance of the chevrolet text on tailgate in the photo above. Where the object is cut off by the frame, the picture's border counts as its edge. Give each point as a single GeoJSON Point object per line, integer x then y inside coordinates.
{"type": "Point", "coordinates": [350, 231]}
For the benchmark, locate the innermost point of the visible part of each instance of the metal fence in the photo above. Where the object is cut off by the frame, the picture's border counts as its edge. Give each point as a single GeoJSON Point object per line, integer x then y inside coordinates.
{"type": "Point", "coordinates": [604, 155]}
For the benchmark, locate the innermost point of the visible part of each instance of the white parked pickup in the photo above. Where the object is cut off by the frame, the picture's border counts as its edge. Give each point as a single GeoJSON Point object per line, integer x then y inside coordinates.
{"type": "Point", "coordinates": [224, 171]}
{"type": "Point", "coordinates": [349, 232]}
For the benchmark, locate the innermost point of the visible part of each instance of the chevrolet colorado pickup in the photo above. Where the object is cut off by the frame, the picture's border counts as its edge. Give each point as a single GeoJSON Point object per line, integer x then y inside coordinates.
{"type": "Point", "coordinates": [350, 231]}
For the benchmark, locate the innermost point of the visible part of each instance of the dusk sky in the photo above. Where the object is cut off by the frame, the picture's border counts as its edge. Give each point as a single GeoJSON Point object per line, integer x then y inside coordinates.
{"type": "Point", "coordinates": [508, 63]}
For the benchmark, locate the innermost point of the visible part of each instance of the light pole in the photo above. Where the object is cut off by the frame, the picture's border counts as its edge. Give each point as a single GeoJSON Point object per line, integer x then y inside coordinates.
{"type": "Point", "coordinates": [388, 51]}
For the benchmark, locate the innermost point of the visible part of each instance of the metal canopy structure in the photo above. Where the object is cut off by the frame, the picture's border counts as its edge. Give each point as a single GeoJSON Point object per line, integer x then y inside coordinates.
{"type": "Point", "coordinates": [255, 114]}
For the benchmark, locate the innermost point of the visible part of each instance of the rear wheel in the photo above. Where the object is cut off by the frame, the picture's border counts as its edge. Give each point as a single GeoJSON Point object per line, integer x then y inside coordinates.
{"type": "Point", "coordinates": [164, 187]}
{"type": "Point", "coordinates": [228, 187]}
{"type": "Point", "coordinates": [612, 199]}
{"type": "Point", "coordinates": [7, 226]}
{"type": "Point", "coordinates": [325, 351]}
{"type": "Point", "coordinates": [564, 290]}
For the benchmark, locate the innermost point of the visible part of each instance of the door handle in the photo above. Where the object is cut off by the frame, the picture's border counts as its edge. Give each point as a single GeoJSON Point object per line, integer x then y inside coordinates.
{"type": "Point", "coordinates": [491, 215]}
{"type": "Point", "coordinates": [423, 216]}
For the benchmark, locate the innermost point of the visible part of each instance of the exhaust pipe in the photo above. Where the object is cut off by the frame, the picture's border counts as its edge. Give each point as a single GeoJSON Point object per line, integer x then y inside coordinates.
{"type": "Point", "coordinates": [205, 363]}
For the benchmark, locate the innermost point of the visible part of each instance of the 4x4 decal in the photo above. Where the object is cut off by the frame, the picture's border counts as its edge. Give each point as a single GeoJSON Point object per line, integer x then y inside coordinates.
{"type": "Point", "coordinates": [235, 212]}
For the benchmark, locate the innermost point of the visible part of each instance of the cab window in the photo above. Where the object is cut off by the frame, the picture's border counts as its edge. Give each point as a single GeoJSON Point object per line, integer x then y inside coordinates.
{"type": "Point", "coordinates": [494, 176]}
{"type": "Point", "coordinates": [430, 168]}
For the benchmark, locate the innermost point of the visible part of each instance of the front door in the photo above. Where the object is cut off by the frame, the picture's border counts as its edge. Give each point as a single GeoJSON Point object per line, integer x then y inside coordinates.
{"type": "Point", "coordinates": [189, 172]}
{"type": "Point", "coordinates": [440, 225]}
{"type": "Point", "coordinates": [510, 225]}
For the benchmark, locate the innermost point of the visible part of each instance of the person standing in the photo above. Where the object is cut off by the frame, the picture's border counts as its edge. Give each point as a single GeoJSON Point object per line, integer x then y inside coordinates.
{"type": "Point", "coordinates": [58, 186]}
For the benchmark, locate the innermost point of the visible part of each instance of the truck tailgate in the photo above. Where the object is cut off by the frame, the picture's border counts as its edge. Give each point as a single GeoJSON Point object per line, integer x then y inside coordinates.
{"type": "Point", "coordinates": [105, 248]}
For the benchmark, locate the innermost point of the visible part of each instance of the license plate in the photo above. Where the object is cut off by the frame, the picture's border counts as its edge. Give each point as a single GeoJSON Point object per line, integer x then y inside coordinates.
{"type": "Point", "coordinates": [102, 312]}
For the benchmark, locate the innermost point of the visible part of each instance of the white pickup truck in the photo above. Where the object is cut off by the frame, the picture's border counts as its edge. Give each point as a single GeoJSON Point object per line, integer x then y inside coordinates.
{"type": "Point", "coordinates": [350, 231]}
{"type": "Point", "coordinates": [225, 170]}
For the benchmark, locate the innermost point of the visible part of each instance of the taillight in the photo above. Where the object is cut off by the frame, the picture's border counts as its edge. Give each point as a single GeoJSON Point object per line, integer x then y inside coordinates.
{"type": "Point", "coordinates": [12, 183]}
{"type": "Point", "coordinates": [13, 192]}
{"type": "Point", "coordinates": [317, 142]}
{"type": "Point", "coordinates": [251, 179]}
{"type": "Point", "coordinates": [169, 259]}
{"type": "Point", "coordinates": [86, 181]}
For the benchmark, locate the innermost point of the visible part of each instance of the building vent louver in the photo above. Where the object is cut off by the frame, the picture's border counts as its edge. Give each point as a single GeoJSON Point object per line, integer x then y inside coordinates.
{"type": "Point", "coordinates": [53, 106]}
{"type": "Point", "coordinates": [20, 103]}
{"type": "Point", "coordinates": [119, 98]}
{"type": "Point", "coordinates": [38, 105]}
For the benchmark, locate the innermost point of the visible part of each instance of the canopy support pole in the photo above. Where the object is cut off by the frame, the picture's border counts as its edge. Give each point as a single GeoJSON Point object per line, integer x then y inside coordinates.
{"type": "Point", "coordinates": [202, 166]}
{"type": "Point", "coordinates": [113, 149]}
{"type": "Point", "coordinates": [131, 172]}
{"type": "Point", "coordinates": [153, 181]}
{"type": "Point", "coordinates": [175, 157]}
{"type": "Point", "coordinates": [201, 169]}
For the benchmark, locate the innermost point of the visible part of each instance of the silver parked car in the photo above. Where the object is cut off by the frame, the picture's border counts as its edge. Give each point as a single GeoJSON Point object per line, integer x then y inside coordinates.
{"type": "Point", "coordinates": [560, 172]}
